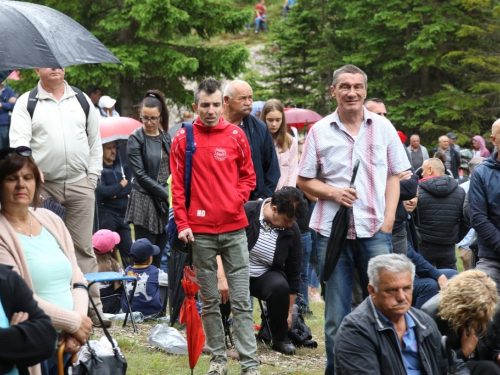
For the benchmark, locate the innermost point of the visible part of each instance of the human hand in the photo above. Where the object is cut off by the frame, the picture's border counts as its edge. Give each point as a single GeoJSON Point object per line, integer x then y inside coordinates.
{"type": "Point", "coordinates": [18, 317]}
{"type": "Point", "coordinates": [442, 280]}
{"type": "Point", "coordinates": [387, 227]}
{"type": "Point", "coordinates": [223, 289]}
{"type": "Point", "coordinates": [41, 175]}
{"type": "Point", "coordinates": [289, 320]}
{"type": "Point", "coordinates": [124, 182]}
{"type": "Point", "coordinates": [186, 235]}
{"type": "Point", "coordinates": [83, 332]}
{"type": "Point", "coordinates": [469, 341]}
{"type": "Point", "coordinates": [345, 196]}
{"type": "Point", "coordinates": [406, 175]}
{"type": "Point", "coordinates": [72, 345]}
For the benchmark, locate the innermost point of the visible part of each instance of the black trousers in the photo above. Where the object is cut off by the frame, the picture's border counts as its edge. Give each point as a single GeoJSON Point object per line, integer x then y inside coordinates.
{"type": "Point", "coordinates": [483, 368]}
{"type": "Point", "coordinates": [272, 287]}
{"type": "Point", "coordinates": [117, 224]}
{"type": "Point", "coordinates": [159, 240]}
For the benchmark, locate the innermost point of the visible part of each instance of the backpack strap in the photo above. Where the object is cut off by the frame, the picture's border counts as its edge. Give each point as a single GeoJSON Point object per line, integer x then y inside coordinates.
{"type": "Point", "coordinates": [32, 101]}
{"type": "Point", "coordinates": [83, 102]}
{"type": "Point", "coordinates": [190, 150]}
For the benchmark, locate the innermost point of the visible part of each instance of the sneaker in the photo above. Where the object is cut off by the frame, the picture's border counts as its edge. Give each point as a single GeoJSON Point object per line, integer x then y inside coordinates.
{"type": "Point", "coordinates": [252, 371]}
{"type": "Point", "coordinates": [256, 31]}
{"type": "Point", "coordinates": [95, 319]}
{"type": "Point", "coordinates": [286, 347]}
{"type": "Point", "coordinates": [217, 368]}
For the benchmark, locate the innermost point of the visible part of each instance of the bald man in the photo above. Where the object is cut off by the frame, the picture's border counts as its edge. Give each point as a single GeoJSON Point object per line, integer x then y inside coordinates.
{"type": "Point", "coordinates": [484, 209]}
{"type": "Point", "coordinates": [238, 99]}
{"type": "Point", "coordinates": [440, 209]}
{"type": "Point", "coordinates": [452, 155]}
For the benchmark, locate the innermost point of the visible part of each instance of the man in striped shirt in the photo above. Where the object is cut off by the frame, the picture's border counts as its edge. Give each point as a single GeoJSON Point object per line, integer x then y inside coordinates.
{"type": "Point", "coordinates": [331, 148]}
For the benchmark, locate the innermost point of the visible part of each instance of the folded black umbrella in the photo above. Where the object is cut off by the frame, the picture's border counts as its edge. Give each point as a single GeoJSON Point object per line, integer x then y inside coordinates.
{"type": "Point", "coordinates": [338, 234]}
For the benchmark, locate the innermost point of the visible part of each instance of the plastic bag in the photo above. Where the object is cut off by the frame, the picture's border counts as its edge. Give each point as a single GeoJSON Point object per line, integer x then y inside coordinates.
{"type": "Point", "coordinates": [139, 318]}
{"type": "Point", "coordinates": [168, 339]}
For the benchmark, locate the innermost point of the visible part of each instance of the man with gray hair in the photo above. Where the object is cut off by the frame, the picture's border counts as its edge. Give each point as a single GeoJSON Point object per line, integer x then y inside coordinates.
{"type": "Point", "coordinates": [332, 146]}
{"type": "Point", "coordinates": [452, 155]}
{"type": "Point", "coordinates": [463, 246]}
{"type": "Point", "coordinates": [385, 335]}
{"type": "Point", "coordinates": [441, 218]}
{"type": "Point", "coordinates": [418, 153]}
{"type": "Point", "coordinates": [238, 99]}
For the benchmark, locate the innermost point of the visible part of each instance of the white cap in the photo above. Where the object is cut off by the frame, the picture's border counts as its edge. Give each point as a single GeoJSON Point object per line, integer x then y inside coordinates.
{"type": "Point", "coordinates": [106, 102]}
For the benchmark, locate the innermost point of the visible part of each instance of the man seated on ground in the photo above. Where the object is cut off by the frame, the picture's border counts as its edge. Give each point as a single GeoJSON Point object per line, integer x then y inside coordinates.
{"type": "Point", "coordinates": [260, 16]}
{"type": "Point", "coordinates": [385, 335]}
{"type": "Point", "coordinates": [441, 219]}
{"type": "Point", "coordinates": [428, 280]}
{"type": "Point", "coordinates": [466, 312]}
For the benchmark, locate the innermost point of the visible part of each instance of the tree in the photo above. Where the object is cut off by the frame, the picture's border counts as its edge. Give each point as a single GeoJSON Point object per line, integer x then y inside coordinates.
{"type": "Point", "coordinates": [162, 45]}
{"type": "Point", "coordinates": [435, 63]}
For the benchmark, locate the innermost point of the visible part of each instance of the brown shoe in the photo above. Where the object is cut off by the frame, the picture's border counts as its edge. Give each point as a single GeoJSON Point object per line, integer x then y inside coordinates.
{"type": "Point", "coordinates": [95, 319]}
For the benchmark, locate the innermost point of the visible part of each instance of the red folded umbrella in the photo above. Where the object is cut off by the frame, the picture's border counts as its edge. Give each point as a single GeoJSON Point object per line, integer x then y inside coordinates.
{"type": "Point", "coordinates": [189, 314]}
{"type": "Point", "coordinates": [299, 118]}
{"type": "Point", "coordinates": [115, 128]}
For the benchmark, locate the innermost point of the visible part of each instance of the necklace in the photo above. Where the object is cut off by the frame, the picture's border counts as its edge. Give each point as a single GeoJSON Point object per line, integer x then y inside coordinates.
{"type": "Point", "coordinates": [31, 228]}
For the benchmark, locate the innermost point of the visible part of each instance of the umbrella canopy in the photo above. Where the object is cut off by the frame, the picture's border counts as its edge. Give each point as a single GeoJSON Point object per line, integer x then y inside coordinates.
{"type": "Point", "coordinates": [338, 234]}
{"type": "Point", "coordinates": [176, 263]}
{"type": "Point", "coordinates": [115, 128]}
{"type": "Point", "coordinates": [189, 314]}
{"type": "Point", "coordinates": [257, 106]}
{"type": "Point", "coordinates": [35, 36]}
{"type": "Point", "coordinates": [299, 118]}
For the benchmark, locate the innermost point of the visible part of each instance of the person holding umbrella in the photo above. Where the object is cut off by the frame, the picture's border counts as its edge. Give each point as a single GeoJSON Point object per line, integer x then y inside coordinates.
{"type": "Point", "coordinates": [331, 148]}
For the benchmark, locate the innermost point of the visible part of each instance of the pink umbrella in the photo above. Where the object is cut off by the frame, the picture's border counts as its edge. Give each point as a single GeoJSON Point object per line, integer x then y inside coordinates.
{"type": "Point", "coordinates": [298, 117]}
{"type": "Point", "coordinates": [115, 128]}
{"type": "Point", "coordinates": [14, 76]}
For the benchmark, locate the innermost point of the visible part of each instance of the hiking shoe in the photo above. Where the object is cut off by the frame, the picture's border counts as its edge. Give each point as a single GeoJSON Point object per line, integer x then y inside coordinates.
{"type": "Point", "coordinates": [217, 368]}
{"type": "Point", "coordinates": [95, 319]}
{"type": "Point", "coordinates": [285, 347]}
{"type": "Point", "coordinates": [252, 371]}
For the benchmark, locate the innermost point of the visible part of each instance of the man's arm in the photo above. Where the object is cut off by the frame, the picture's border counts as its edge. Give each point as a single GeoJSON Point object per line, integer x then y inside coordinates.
{"type": "Point", "coordinates": [20, 132]}
{"type": "Point", "coordinates": [177, 170]}
{"type": "Point", "coordinates": [247, 179]}
{"type": "Point", "coordinates": [391, 203]}
{"type": "Point", "coordinates": [408, 185]}
{"type": "Point", "coordinates": [108, 191]}
{"type": "Point", "coordinates": [8, 105]}
{"type": "Point", "coordinates": [94, 141]}
{"type": "Point", "coordinates": [422, 267]}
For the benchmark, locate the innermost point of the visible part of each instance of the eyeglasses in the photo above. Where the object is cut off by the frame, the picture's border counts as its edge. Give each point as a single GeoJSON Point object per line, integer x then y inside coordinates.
{"type": "Point", "coordinates": [153, 120]}
{"type": "Point", "coordinates": [7, 152]}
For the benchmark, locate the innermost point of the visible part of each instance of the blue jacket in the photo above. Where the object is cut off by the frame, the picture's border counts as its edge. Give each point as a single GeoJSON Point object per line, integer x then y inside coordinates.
{"type": "Point", "coordinates": [484, 206]}
{"type": "Point", "coordinates": [265, 160]}
{"type": "Point", "coordinates": [110, 187]}
{"type": "Point", "coordinates": [422, 267]}
{"type": "Point", "coordinates": [5, 94]}
{"type": "Point", "coordinates": [147, 298]}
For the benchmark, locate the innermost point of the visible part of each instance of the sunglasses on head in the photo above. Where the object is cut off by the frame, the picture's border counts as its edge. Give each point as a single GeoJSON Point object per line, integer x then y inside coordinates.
{"type": "Point", "coordinates": [7, 152]}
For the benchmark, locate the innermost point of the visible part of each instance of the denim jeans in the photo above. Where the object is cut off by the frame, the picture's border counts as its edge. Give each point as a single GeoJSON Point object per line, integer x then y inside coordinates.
{"type": "Point", "coordinates": [491, 267]}
{"type": "Point", "coordinates": [233, 248]}
{"type": "Point", "coordinates": [261, 21]}
{"type": "Point", "coordinates": [424, 288]}
{"type": "Point", "coordinates": [302, 299]}
{"type": "Point", "coordinates": [338, 292]}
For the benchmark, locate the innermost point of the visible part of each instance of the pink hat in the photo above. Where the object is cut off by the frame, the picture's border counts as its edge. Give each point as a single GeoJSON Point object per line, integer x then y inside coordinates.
{"type": "Point", "coordinates": [104, 241]}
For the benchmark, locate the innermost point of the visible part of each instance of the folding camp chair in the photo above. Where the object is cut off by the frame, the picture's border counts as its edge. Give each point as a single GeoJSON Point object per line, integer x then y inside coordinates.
{"type": "Point", "coordinates": [111, 277]}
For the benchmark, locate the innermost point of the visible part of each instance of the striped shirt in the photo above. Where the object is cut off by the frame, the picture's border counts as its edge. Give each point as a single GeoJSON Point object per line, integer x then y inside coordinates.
{"type": "Point", "coordinates": [329, 154]}
{"type": "Point", "coordinates": [262, 255]}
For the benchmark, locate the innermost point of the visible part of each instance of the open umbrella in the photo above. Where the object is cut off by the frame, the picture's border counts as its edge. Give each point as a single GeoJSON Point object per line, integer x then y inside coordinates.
{"type": "Point", "coordinates": [115, 128]}
{"type": "Point", "coordinates": [338, 234]}
{"type": "Point", "coordinates": [35, 36]}
{"type": "Point", "coordinates": [257, 106]}
{"type": "Point", "coordinates": [189, 314]}
{"type": "Point", "coordinates": [298, 117]}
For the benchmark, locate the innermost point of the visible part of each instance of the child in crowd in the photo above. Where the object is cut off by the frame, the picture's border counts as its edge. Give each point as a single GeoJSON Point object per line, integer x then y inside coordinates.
{"type": "Point", "coordinates": [104, 242]}
{"type": "Point", "coordinates": [147, 293]}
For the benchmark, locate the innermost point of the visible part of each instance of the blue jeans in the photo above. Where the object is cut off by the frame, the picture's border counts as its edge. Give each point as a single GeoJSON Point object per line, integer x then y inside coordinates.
{"type": "Point", "coordinates": [338, 292]}
{"type": "Point", "coordinates": [424, 288]}
{"type": "Point", "coordinates": [261, 21]}
{"type": "Point", "coordinates": [302, 299]}
{"type": "Point", "coordinates": [4, 136]}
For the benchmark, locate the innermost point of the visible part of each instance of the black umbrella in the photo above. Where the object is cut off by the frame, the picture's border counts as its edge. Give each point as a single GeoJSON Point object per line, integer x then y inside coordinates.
{"type": "Point", "coordinates": [4, 74]}
{"type": "Point", "coordinates": [35, 36]}
{"type": "Point", "coordinates": [176, 263]}
{"type": "Point", "coordinates": [338, 234]}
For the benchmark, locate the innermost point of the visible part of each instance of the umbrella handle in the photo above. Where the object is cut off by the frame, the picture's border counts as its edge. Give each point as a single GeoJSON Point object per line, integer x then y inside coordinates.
{"type": "Point", "coordinates": [354, 173]}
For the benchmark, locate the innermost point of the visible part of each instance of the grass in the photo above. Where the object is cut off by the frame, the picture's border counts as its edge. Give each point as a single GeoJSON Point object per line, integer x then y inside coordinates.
{"type": "Point", "coordinates": [144, 359]}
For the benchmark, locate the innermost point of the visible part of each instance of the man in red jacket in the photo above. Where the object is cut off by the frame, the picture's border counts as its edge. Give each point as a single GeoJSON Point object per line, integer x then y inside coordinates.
{"type": "Point", "coordinates": [222, 179]}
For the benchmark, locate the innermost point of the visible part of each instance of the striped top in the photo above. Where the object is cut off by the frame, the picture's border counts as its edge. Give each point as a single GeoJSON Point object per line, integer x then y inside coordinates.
{"type": "Point", "coordinates": [329, 154]}
{"type": "Point", "coordinates": [262, 255]}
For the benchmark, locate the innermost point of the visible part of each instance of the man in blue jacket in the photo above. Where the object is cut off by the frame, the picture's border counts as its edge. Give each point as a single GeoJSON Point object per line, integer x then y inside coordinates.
{"type": "Point", "coordinates": [484, 209]}
{"type": "Point", "coordinates": [238, 99]}
{"type": "Point", "coordinates": [7, 101]}
{"type": "Point", "coordinates": [112, 195]}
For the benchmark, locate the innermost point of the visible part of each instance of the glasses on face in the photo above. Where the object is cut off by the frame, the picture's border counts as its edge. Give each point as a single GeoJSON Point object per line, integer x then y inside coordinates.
{"type": "Point", "coordinates": [153, 120]}
{"type": "Point", "coordinates": [7, 152]}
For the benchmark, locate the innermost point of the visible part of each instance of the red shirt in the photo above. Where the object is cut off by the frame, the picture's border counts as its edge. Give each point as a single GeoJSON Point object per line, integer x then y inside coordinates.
{"type": "Point", "coordinates": [260, 10]}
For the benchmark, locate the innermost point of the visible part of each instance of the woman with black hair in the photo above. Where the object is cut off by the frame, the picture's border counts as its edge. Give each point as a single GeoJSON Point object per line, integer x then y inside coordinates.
{"type": "Point", "coordinates": [148, 152]}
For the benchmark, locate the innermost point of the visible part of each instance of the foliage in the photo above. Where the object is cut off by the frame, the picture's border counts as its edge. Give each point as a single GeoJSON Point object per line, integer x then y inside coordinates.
{"type": "Point", "coordinates": [434, 63]}
{"type": "Point", "coordinates": [162, 44]}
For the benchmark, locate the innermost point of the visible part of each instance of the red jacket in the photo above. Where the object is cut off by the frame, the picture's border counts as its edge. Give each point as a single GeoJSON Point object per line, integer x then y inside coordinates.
{"type": "Point", "coordinates": [222, 178]}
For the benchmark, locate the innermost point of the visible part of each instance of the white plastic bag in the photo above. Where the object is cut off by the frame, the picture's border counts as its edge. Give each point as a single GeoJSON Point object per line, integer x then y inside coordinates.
{"type": "Point", "coordinates": [168, 339]}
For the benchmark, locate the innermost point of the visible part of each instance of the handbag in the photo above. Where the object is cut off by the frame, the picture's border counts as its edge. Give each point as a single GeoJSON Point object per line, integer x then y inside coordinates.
{"type": "Point", "coordinates": [175, 243]}
{"type": "Point", "coordinates": [115, 364]}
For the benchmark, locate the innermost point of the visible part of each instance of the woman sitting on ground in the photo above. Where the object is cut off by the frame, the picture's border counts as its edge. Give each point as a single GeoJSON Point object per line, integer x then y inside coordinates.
{"type": "Point", "coordinates": [466, 312]}
{"type": "Point", "coordinates": [36, 243]}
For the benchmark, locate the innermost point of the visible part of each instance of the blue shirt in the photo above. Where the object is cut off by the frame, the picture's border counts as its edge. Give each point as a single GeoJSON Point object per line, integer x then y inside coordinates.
{"type": "Point", "coordinates": [411, 357]}
{"type": "Point", "coordinates": [147, 293]}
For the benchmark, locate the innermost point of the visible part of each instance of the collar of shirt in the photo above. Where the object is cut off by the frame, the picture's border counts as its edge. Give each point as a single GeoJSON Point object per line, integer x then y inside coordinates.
{"type": "Point", "coordinates": [367, 120]}
{"type": "Point", "coordinates": [263, 223]}
{"type": "Point", "coordinates": [409, 321]}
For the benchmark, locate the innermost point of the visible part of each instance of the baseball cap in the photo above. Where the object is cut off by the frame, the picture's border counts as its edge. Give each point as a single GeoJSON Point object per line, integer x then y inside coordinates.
{"type": "Point", "coordinates": [106, 102]}
{"type": "Point", "coordinates": [451, 135]}
{"type": "Point", "coordinates": [104, 241]}
{"type": "Point", "coordinates": [142, 249]}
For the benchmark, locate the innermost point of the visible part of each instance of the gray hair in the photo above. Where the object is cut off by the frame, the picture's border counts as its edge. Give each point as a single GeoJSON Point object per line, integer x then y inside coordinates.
{"type": "Point", "coordinates": [474, 163]}
{"type": "Point", "coordinates": [395, 263]}
{"type": "Point", "coordinates": [414, 136]}
{"type": "Point", "coordinates": [351, 69]}
{"type": "Point", "coordinates": [230, 89]}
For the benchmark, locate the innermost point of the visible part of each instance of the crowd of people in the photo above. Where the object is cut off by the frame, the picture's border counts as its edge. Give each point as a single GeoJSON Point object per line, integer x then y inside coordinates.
{"type": "Point", "coordinates": [257, 210]}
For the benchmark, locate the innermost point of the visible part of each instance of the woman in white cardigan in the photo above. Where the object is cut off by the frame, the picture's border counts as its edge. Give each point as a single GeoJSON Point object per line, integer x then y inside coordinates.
{"type": "Point", "coordinates": [286, 146]}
